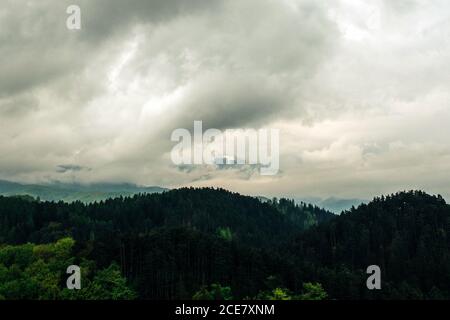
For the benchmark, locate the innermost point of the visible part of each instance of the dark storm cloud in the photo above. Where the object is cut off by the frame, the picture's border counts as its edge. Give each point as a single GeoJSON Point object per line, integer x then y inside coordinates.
{"type": "Point", "coordinates": [105, 17]}
{"type": "Point", "coordinates": [355, 87]}
{"type": "Point", "coordinates": [36, 46]}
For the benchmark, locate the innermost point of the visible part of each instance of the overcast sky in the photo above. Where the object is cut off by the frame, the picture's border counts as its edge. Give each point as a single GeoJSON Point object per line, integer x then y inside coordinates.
{"type": "Point", "coordinates": [359, 91]}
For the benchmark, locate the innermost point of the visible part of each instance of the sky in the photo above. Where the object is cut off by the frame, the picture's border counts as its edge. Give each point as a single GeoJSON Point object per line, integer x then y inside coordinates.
{"type": "Point", "coordinates": [358, 89]}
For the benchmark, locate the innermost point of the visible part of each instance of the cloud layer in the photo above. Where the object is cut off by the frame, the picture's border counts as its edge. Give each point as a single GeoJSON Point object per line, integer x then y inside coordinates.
{"type": "Point", "coordinates": [358, 90]}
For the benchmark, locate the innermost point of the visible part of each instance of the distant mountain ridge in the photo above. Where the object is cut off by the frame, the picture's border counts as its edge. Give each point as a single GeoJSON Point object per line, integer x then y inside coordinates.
{"type": "Point", "coordinates": [70, 192]}
{"type": "Point", "coordinates": [333, 204]}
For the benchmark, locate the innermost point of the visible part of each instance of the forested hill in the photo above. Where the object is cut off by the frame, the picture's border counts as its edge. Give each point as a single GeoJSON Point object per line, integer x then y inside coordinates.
{"type": "Point", "coordinates": [211, 243]}
{"type": "Point", "coordinates": [407, 234]}
{"type": "Point", "coordinates": [167, 245]}
{"type": "Point", "coordinates": [213, 211]}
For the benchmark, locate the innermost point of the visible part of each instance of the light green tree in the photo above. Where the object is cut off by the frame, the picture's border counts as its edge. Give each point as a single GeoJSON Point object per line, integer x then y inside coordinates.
{"type": "Point", "coordinates": [214, 292]}
{"type": "Point", "coordinates": [313, 291]}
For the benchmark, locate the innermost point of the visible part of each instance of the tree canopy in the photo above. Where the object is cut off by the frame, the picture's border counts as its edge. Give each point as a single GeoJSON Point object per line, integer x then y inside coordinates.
{"type": "Point", "coordinates": [213, 244]}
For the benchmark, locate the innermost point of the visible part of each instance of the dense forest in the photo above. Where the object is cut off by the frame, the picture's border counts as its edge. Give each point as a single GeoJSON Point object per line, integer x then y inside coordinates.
{"type": "Point", "coordinates": [407, 234]}
{"type": "Point", "coordinates": [213, 244]}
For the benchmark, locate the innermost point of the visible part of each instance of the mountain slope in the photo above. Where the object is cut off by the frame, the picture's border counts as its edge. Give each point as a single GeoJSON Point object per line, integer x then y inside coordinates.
{"type": "Point", "coordinates": [74, 192]}
{"type": "Point", "coordinates": [213, 211]}
{"type": "Point", "coordinates": [407, 234]}
{"type": "Point", "coordinates": [168, 245]}
{"type": "Point", "coordinates": [171, 245]}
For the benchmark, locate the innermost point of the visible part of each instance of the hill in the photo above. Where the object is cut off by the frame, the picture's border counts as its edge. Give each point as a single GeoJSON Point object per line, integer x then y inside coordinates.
{"type": "Point", "coordinates": [189, 242]}
{"type": "Point", "coordinates": [214, 211]}
{"type": "Point", "coordinates": [57, 191]}
{"type": "Point", "coordinates": [169, 244]}
{"type": "Point", "coordinates": [407, 234]}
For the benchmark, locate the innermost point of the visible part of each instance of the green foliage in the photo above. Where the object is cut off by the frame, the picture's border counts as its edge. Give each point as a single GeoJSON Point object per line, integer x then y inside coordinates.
{"type": "Point", "coordinates": [208, 210]}
{"type": "Point", "coordinates": [313, 291]}
{"type": "Point", "coordinates": [278, 294]}
{"type": "Point", "coordinates": [107, 284]}
{"type": "Point", "coordinates": [225, 233]}
{"type": "Point", "coordinates": [166, 246]}
{"type": "Point", "coordinates": [407, 234]}
{"type": "Point", "coordinates": [39, 272]}
{"type": "Point", "coordinates": [214, 292]}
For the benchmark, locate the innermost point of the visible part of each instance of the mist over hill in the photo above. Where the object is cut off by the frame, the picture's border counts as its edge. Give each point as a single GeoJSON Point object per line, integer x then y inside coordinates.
{"type": "Point", "coordinates": [333, 204]}
{"type": "Point", "coordinates": [69, 192]}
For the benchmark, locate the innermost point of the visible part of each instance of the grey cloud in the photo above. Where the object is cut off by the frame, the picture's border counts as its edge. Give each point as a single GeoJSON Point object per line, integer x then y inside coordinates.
{"type": "Point", "coordinates": [247, 72]}
{"type": "Point", "coordinates": [401, 6]}
{"type": "Point", "coordinates": [202, 173]}
{"type": "Point", "coordinates": [63, 168]}
{"type": "Point", "coordinates": [17, 105]}
{"type": "Point", "coordinates": [232, 68]}
{"type": "Point", "coordinates": [105, 17]}
{"type": "Point", "coordinates": [36, 47]}
{"type": "Point", "coordinates": [107, 97]}
{"type": "Point", "coordinates": [188, 168]}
